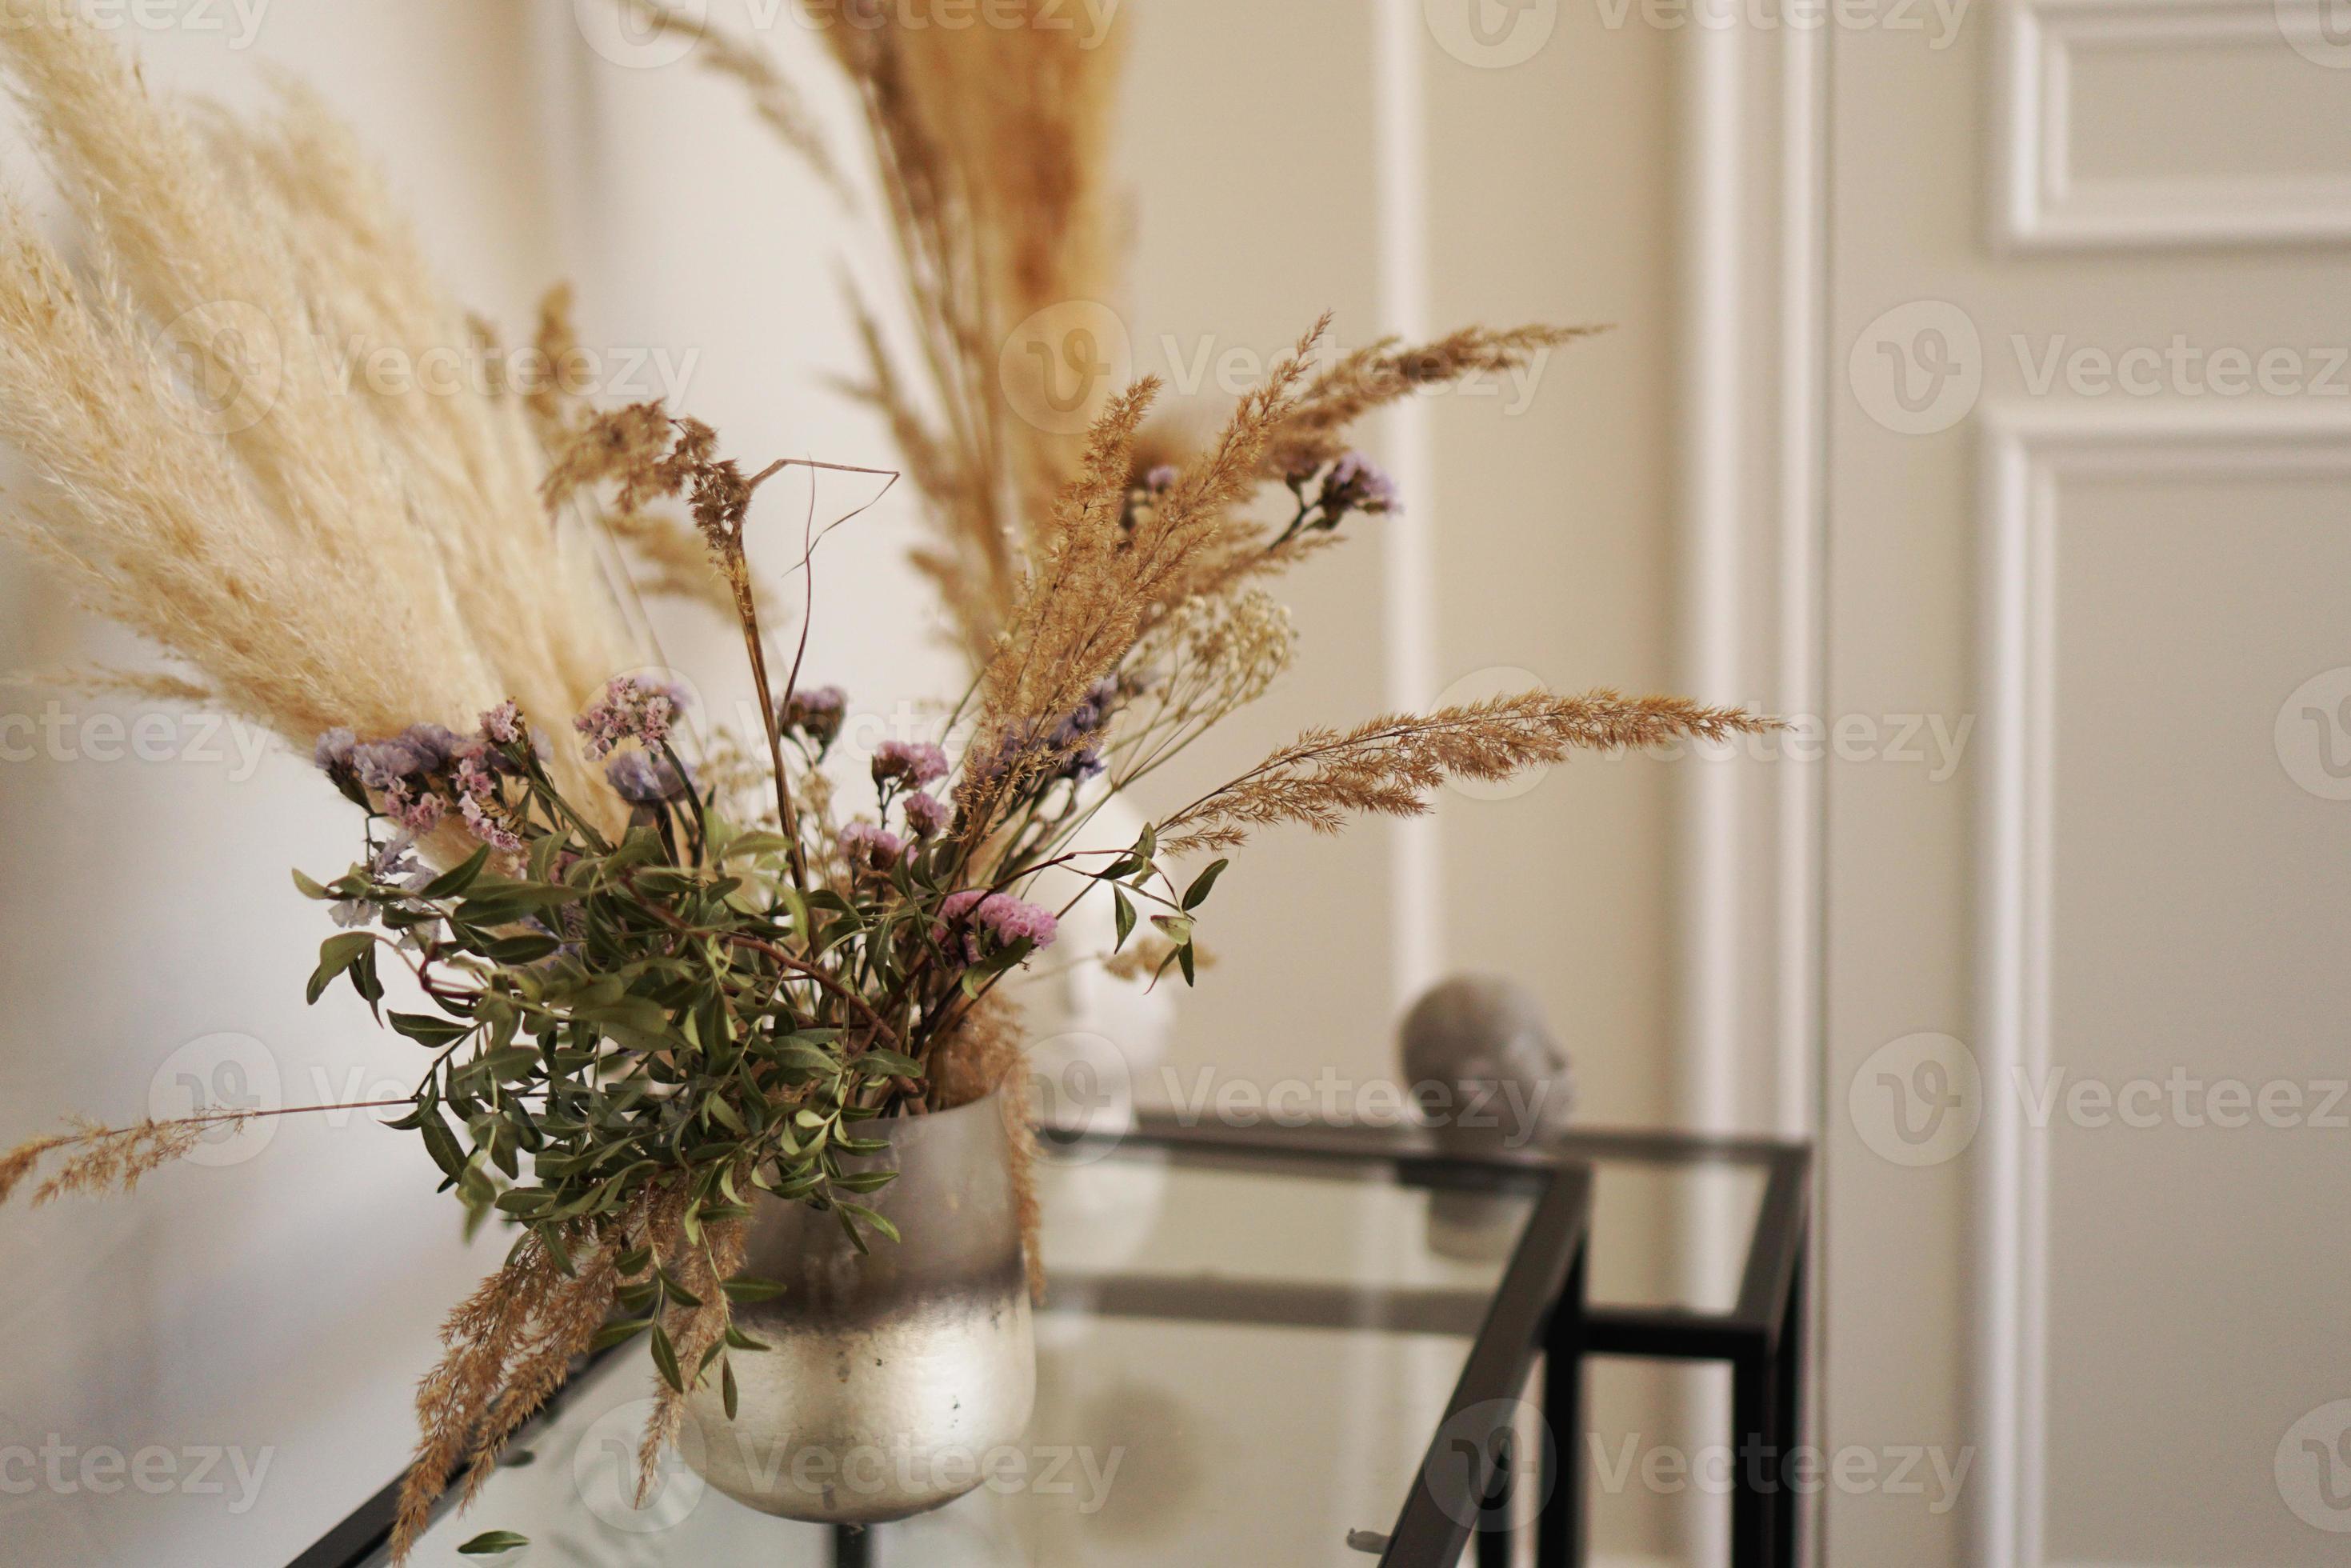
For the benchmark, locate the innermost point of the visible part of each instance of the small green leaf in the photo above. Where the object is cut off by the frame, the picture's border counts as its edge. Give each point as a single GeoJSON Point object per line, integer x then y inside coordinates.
{"type": "Point", "coordinates": [726, 1387]}
{"type": "Point", "coordinates": [310, 889]}
{"type": "Point", "coordinates": [492, 1543]}
{"type": "Point", "coordinates": [890, 1064]}
{"type": "Point", "coordinates": [456, 880]}
{"type": "Point", "coordinates": [1198, 893]}
{"type": "Point", "coordinates": [427, 1031]}
{"type": "Point", "coordinates": [517, 1062]}
{"type": "Point", "coordinates": [858, 1211]}
{"type": "Point", "coordinates": [336, 954]}
{"type": "Point", "coordinates": [665, 1359]}
{"type": "Point", "coordinates": [616, 1334]}
{"type": "Point", "coordinates": [1124, 907]}
{"type": "Point", "coordinates": [746, 1289]}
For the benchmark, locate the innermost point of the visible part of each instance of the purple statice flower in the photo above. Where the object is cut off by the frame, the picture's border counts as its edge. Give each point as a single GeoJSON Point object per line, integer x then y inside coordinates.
{"type": "Point", "coordinates": [334, 751]}
{"type": "Point", "coordinates": [1075, 738]}
{"type": "Point", "coordinates": [642, 779]}
{"type": "Point", "coordinates": [630, 709]}
{"type": "Point", "coordinates": [384, 764]}
{"type": "Point", "coordinates": [913, 763]}
{"type": "Point", "coordinates": [502, 725]}
{"type": "Point", "coordinates": [817, 714]}
{"type": "Point", "coordinates": [1161, 479]}
{"type": "Point", "coordinates": [485, 827]}
{"type": "Point", "coordinates": [975, 911]}
{"type": "Point", "coordinates": [395, 861]}
{"type": "Point", "coordinates": [872, 848]}
{"type": "Point", "coordinates": [418, 813]}
{"type": "Point", "coordinates": [1358, 484]}
{"type": "Point", "coordinates": [926, 814]}
{"type": "Point", "coordinates": [433, 745]}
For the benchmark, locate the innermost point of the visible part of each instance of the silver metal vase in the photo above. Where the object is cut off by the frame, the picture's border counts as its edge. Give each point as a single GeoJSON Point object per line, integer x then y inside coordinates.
{"type": "Point", "coordinates": [892, 1374]}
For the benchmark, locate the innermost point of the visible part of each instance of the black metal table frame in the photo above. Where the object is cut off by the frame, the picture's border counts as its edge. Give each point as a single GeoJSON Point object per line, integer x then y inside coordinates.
{"type": "Point", "coordinates": [1540, 1305]}
{"type": "Point", "coordinates": [1761, 1337]}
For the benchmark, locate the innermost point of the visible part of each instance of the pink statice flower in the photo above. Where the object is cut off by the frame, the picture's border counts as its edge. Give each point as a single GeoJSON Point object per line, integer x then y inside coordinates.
{"type": "Point", "coordinates": [926, 814]}
{"type": "Point", "coordinates": [485, 826]}
{"type": "Point", "coordinates": [418, 813]}
{"type": "Point", "coordinates": [912, 763]}
{"type": "Point", "coordinates": [502, 725]}
{"type": "Point", "coordinates": [870, 848]}
{"type": "Point", "coordinates": [476, 776]}
{"type": "Point", "coordinates": [974, 913]}
{"type": "Point", "coordinates": [816, 714]}
{"type": "Point", "coordinates": [630, 709]}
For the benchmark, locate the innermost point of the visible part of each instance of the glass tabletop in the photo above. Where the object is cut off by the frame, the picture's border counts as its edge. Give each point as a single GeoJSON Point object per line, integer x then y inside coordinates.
{"type": "Point", "coordinates": [1240, 1359]}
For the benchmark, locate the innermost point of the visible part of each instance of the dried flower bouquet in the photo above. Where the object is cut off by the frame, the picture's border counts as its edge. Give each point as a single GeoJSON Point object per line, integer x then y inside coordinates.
{"type": "Point", "coordinates": [651, 981]}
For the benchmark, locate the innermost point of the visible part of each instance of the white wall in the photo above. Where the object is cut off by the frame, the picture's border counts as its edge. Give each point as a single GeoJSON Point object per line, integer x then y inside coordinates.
{"type": "Point", "coordinates": [281, 1306]}
{"type": "Point", "coordinates": [287, 1302]}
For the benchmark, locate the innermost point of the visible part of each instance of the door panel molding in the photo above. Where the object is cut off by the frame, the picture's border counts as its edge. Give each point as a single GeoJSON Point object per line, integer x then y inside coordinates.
{"type": "Point", "coordinates": [2027, 457]}
{"type": "Point", "coordinates": [2042, 202]}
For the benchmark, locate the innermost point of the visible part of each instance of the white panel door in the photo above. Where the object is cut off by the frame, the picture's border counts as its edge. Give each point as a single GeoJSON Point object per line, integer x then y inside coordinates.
{"type": "Point", "coordinates": [2089, 540]}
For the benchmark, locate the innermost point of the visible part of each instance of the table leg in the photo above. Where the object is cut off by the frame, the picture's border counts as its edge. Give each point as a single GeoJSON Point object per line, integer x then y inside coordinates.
{"type": "Point", "coordinates": [1787, 1415]}
{"type": "Point", "coordinates": [852, 1547]}
{"type": "Point", "coordinates": [1755, 1482]}
{"type": "Point", "coordinates": [1560, 1533]}
{"type": "Point", "coordinates": [1494, 1537]}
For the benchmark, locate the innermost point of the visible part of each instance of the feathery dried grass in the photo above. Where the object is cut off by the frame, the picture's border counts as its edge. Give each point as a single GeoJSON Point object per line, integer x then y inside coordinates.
{"type": "Point", "coordinates": [510, 1347]}
{"type": "Point", "coordinates": [695, 1333]}
{"type": "Point", "coordinates": [108, 1159]}
{"type": "Point", "coordinates": [1390, 765]}
{"type": "Point", "coordinates": [774, 99]}
{"type": "Point", "coordinates": [106, 681]}
{"type": "Point", "coordinates": [322, 552]}
{"type": "Point", "coordinates": [665, 557]}
{"type": "Point", "coordinates": [992, 148]}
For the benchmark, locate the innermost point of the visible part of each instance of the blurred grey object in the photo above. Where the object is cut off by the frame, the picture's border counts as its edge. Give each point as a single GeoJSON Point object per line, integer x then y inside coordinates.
{"type": "Point", "coordinates": [1484, 1073]}
{"type": "Point", "coordinates": [1482, 1067]}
